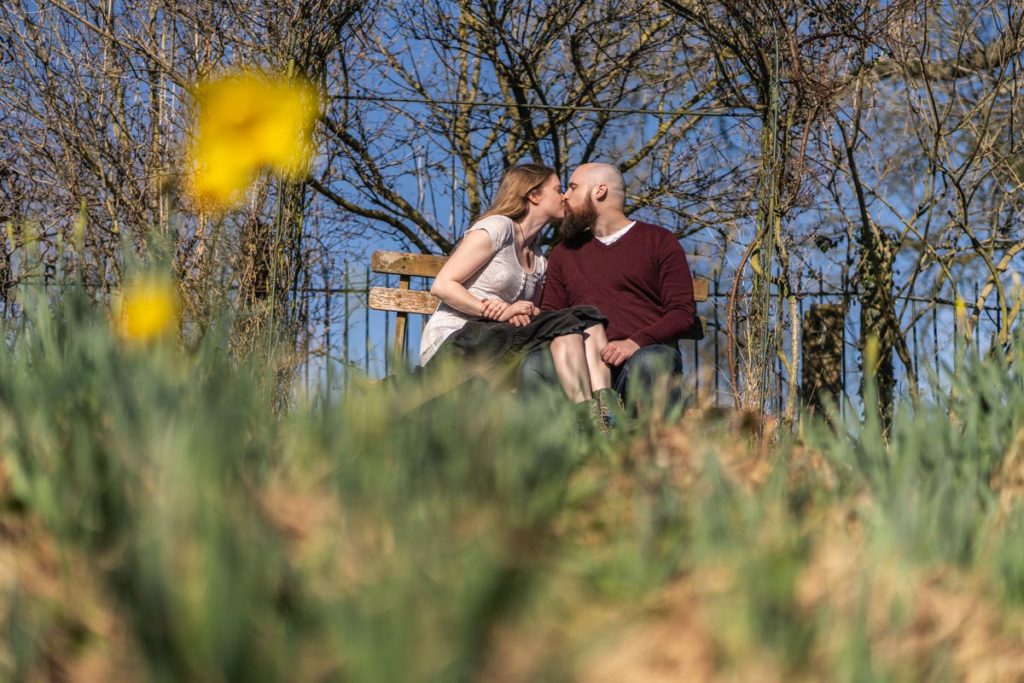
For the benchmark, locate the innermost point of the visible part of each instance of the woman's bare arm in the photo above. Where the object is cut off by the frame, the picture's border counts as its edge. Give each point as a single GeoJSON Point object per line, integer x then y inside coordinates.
{"type": "Point", "coordinates": [471, 255]}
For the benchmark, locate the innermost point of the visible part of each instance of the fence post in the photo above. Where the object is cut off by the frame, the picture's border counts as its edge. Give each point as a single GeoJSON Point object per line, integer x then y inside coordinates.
{"type": "Point", "coordinates": [327, 324]}
{"type": "Point", "coordinates": [307, 323]}
{"type": "Point", "coordinates": [915, 359]}
{"type": "Point", "coordinates": [696, 369]}
{"type": "Point", "coordinates": [977, 326]}
{"type": "Point", "coordinates": [344, 339]}
{"type": "Point", "coordinates": [935, 338]}
{"type": "Point", "coordinates": [999, 322]}
{"type": "Point", "coordinates": [956, 334]}
{"type": "Point", "coordinates": [846, 302]}
{"type": "Point", "coordinates": [717, 327]}
{"type": "Point", "coordinates": [387, 333]}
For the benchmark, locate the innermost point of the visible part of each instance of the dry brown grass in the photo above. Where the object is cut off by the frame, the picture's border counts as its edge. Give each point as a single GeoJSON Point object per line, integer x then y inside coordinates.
{"type": "Point", "coordinates": [54, 600]}
{"type": "Point", "coordinates": [918, 619]}
{"type": "Point", "coordinates": [921, 622]}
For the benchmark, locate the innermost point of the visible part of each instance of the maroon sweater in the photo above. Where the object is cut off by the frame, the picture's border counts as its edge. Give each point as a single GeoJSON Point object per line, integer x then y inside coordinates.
{"type": "Point", "coordinates": [641, 283]}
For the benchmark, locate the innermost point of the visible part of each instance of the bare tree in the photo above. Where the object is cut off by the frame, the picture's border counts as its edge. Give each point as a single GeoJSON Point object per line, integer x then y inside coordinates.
{"type": "Point", "coordinates": [477, 86]}
{"type": "Point", "coordinates": [924, 148]}
{"type": "Point", "coordinates": [97, 95]}
{"type": "Point", "coordinates": [790, 63]}
{"type": "Point", "coordinates": [770, 134]}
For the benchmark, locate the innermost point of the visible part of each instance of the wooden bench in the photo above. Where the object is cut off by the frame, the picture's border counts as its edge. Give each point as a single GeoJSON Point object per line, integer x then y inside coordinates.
{"type": "Point", "coordinates": [403, 300]}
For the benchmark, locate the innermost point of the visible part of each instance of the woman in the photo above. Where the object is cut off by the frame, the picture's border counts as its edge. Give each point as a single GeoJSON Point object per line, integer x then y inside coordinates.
{"type": "Point", "coordinates": [490, 287]}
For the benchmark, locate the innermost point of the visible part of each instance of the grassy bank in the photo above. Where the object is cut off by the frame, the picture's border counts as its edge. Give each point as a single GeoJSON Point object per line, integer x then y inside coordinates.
{"type": "Point", "coordinates": [161, 522]}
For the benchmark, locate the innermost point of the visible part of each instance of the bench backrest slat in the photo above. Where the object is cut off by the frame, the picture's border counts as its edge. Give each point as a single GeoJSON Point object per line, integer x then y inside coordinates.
{"type": "Point", "coordinates": [398, 263]}
{"type": "Point", "coordinates": [700, 289]}
{"type": "Point", "coordinates": [402, 300]}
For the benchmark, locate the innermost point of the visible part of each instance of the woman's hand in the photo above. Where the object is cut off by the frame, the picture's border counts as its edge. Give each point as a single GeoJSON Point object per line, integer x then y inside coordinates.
{"type": "Point", "coordinates": [523, 319]}
{"type": "Point", "coordinates": [494, 309]}
{"type": "Point", "coordinates": [519, 320]}
{"type": "Point", "coordinates": [519, 313]}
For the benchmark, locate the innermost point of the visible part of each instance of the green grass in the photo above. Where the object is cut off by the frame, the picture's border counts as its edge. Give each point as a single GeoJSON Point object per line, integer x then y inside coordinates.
{"type": "Point", "coordinates": [195, 534]}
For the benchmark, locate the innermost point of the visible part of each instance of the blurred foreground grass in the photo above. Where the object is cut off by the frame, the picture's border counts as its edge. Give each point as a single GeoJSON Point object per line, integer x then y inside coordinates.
{"type": "Point", "coordinates": [160, 522]}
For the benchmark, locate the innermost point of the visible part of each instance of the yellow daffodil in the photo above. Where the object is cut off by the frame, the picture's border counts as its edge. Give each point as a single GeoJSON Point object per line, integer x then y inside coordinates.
{"type": "Point", "coordinates": [146, 309]}
{"type": "Point", "coordinates": [871, 354]}
{"type": "Point", "coordinates": [960, 307]}
{"type": "Point", "coordinates": [283, 139]}
{"type": "Point", "coordinates": [247, 122]}
{"type": "Point", "coordinates": [963, 320]}
{"type": "Point", "coordinates": [219, 178]}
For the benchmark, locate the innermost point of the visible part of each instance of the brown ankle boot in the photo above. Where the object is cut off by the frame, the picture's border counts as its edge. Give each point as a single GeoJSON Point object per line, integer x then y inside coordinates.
{"type": "Point", "coordinates": [589, 418]}
{"type": "Point", "coordinates": [611, 408]}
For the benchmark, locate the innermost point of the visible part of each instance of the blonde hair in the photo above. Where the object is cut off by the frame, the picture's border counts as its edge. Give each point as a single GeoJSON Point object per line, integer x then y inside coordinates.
{"type": "Point", "coordinates": [516, 185]}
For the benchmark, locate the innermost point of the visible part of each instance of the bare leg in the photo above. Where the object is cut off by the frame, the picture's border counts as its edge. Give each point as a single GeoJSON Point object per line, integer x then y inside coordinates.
{"type": "Point", "coordinates": [600, 373]}
{"type": "Point", "coordinates": [571, 365]}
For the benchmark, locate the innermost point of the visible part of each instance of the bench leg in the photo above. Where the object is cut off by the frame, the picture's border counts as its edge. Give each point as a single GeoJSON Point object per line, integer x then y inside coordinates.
{"type": "Point", "coordinates": [400, 322]}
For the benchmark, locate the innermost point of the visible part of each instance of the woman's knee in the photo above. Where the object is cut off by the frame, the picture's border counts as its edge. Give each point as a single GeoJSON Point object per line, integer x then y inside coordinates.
{"type": "Point", "coordinates": [566, 344]}
{"type": "Point", "coordinates": [595, 333]}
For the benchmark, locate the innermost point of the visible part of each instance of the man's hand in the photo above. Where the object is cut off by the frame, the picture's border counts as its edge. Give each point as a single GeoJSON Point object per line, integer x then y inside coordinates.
{"type": "Point", "coordinates": [618, 352]}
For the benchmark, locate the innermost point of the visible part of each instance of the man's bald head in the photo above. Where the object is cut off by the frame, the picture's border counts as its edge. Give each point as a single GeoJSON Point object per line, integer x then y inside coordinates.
{"type": "Point", "coordinates": [594, 201]}
{"type": "Point", "coordinates": [596, 175]}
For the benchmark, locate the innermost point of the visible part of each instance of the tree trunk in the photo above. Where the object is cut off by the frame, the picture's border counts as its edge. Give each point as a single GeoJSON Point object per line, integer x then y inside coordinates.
{"type": "Point", "coordinates": [878, 316]}
{"type": "Point", "coordinates": [822, 380]}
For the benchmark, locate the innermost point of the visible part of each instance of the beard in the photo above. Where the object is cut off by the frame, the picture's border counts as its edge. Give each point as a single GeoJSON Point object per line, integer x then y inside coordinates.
{"type": "Point", "coordinates": [578, 221]}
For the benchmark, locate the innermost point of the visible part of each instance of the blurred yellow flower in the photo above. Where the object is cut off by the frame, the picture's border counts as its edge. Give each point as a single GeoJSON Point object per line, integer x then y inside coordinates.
{"type": "Point", "coordinates": [219, 179]}
{"type": "Point", "coordinates": [960, 307]}
{"type": "Point", "coordinates": [871, 355]}
{"type": "Point", "coordinates": [246, 122]}
{"type": "Point", "coordinates": [146, 309]}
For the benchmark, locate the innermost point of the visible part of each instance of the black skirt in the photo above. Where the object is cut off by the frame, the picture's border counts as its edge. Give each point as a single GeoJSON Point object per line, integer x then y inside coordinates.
{"type": "Point", "coordinates": [500, 343]}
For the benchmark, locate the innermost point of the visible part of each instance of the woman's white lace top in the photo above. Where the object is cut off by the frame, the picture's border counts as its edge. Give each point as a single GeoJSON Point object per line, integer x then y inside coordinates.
{"type": "Point", "coordinates": [502, 278]}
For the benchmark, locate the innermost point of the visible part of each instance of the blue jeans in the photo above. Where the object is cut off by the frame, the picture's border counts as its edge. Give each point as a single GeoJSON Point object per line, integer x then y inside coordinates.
{"type": "Point", "coordinates": [634, 380]}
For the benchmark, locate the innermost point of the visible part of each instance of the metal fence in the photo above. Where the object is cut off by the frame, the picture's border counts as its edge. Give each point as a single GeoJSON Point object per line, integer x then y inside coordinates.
{"type": "Point", "coordinates": [350, 339]}
{"type": "Point", "coordinates": [344, 338]}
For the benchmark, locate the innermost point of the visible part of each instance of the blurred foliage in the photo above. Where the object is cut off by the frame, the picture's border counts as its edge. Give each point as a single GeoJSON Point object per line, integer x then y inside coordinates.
{"type": "Point", "coordinates": [161, 522]}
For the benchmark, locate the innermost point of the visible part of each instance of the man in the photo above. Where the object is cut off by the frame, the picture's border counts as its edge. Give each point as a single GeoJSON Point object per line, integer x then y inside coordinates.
{"type": "Point", "coordinates": [636, 274]}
